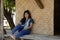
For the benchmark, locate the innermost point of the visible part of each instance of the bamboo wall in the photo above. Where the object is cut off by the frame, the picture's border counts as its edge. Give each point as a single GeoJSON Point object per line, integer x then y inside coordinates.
{"type": "Point", "coordinates": [43, 17]}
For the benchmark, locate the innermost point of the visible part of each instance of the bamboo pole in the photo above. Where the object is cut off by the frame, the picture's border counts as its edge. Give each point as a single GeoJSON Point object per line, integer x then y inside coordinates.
{"type": "Point", "coordinates": [1, 19]}
{"type": "Point", "coordinates": [39, 3]}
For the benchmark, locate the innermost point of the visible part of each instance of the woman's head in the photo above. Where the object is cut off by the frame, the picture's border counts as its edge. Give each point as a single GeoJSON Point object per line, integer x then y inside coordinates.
{"type": "Point", "coordinates": [27, 14]}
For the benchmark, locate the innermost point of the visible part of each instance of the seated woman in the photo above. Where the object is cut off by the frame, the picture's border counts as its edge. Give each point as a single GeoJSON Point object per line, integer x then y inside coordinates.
{"type": "Point", "coordinates": [24, 26]}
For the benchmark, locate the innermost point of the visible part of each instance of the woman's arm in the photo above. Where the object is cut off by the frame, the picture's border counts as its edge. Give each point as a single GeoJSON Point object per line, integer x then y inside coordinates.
{"type": "Point", "coordinates": [31, 25]}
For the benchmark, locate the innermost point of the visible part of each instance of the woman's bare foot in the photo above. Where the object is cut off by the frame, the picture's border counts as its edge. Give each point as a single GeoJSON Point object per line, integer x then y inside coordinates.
{"type": "Point", "coordinates": [12, 36]}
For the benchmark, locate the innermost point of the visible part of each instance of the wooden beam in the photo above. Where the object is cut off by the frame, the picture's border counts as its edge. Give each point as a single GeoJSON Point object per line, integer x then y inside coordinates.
{"type": "Point", "coordinates": [39, 3]}
{"type": "Point", "coordinates": [1, 19]}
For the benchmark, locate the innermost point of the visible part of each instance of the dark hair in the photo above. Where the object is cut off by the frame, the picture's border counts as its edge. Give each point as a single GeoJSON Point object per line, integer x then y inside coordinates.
{"type": "Point", "coordinates": [28, 12]}
{"type": "Point", "coordinates": [24, 19]}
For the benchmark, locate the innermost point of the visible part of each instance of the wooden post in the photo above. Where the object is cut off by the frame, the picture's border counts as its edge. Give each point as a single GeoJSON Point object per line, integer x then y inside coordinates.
{"type": "Point", "coordinates": [1, 19]}
{"type": "Point", "coordinates": [39, 3]}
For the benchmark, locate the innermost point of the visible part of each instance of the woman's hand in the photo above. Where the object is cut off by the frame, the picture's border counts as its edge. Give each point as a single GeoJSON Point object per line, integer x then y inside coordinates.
{"type": "Point", "coordinates": [25, 28]}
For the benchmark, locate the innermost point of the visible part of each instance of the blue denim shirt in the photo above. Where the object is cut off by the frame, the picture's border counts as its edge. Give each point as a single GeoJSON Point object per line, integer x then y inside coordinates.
{"type": "Point", "coordinates": [23, 21]}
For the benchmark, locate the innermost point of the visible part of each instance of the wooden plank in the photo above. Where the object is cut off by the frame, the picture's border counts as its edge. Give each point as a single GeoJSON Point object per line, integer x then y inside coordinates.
{"type": "Point", "coordinates": [32, 36]}
{"type": "Point", "coordinates": [39, 37]}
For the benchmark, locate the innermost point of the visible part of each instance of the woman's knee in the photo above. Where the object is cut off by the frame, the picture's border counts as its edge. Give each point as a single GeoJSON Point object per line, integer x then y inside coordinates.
{"type": "Point", "coordinates": [18, 26]}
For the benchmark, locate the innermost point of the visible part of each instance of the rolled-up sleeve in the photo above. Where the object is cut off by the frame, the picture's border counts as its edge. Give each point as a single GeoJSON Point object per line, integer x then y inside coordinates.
{"type": "Point", "coordinates": [31, 21]}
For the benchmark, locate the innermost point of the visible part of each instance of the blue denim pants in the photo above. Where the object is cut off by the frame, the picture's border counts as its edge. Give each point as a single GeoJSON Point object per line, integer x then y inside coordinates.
{"type": "Point", "coordinates": [21, 32]}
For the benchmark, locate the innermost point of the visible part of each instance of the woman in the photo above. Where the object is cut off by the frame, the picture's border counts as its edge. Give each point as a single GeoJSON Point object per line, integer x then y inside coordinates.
{"type": "Point", "coordinates": [24, 26]}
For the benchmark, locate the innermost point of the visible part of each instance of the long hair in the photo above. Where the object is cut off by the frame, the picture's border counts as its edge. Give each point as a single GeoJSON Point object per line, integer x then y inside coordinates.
{"type": "Point", "coordinates": [28, 12]}
{"type": "Point", "coordinates": [24, 19]}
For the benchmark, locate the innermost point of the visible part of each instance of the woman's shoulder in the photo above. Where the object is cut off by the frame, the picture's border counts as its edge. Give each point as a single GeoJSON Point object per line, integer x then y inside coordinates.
{"type": "Point", "coordinates": [31, 20]}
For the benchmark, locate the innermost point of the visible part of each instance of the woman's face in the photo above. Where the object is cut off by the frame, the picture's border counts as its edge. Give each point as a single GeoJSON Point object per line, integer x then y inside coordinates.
{"type": "Point", "coordinates": [26, 15]}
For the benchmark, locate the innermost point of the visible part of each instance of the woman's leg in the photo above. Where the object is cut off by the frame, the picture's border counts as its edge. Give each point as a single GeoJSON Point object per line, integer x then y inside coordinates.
{"type": "Point", "coordinates": [22, 32]}
{"type": "Point", "coordinates": [17, 27]}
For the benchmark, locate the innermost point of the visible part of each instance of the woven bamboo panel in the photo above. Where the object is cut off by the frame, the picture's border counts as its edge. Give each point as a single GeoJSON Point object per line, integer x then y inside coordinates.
{"type": "Point", "coordinates": [43, 17]}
